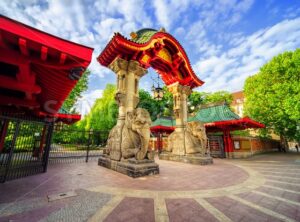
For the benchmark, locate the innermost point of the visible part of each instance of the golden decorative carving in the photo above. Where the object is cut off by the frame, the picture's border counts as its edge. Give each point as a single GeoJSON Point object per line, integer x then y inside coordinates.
{"type": "Point", "coordinates": [165, 55]}
{"type": "Point", "coordinates": [145, 58]}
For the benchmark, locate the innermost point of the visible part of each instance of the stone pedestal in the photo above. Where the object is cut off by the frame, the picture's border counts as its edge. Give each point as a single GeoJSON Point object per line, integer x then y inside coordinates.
{"type": "Point", "coordinates": [131, 167]}
{"type": "Point", "coordinates": [189, 158]}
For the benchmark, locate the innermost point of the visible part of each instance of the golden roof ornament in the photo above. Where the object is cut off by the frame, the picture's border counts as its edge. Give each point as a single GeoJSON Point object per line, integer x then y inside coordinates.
{"type": "Point", "coordinates": [162, 29]}
{"type": "Point", "coordinates": [133, 35]}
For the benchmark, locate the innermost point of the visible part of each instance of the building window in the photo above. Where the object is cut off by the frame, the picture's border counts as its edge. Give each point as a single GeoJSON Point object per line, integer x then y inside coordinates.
{"type": "Point", "coordinates": [236, 145]}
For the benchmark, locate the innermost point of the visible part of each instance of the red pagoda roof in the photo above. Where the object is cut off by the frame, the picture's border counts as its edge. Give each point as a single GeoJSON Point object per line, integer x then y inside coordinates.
{"type": "Point", "coordinates": [155, 49]}
{"type": "Point", "coordinates": [236, 124]}
{"type": "Point", "coordinates": [38, 70]}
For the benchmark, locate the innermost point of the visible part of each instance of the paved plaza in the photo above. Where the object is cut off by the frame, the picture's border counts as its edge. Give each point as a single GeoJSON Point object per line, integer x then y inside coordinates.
{"type": "Point", "coordinates": [263, 188]}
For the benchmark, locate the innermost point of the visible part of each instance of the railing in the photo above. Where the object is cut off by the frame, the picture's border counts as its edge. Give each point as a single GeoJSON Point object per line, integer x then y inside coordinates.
{"type": "Point", "coordinates": [24, 147]}
{"type": "Point", "coordinates": [69, 146]}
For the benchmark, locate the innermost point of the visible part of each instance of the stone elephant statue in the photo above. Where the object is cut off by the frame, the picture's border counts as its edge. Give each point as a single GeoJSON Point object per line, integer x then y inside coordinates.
{"type": "Point", "coordinates": [136, 134]}
{"type": "Point", "coordinates": [198, 136]}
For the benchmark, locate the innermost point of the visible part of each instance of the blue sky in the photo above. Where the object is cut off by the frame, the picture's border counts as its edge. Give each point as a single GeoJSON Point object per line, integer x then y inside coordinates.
{"type": "Point", "coordinates": [226, 40]}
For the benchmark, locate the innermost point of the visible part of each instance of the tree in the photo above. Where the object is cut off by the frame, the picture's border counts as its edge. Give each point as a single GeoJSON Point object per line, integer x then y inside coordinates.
{"type": "Point", "coordinates": [219, 96]}
{"type": "Point", "coordinates": [147, 102]}
{"type": "Point", "coordinates": [273, 95]}
{"type": "Point", "coordinates": [196, 99]}
{"type": "Point", "coordinates": [79, 88]}
{"type": "Point", "coordinates": [157, 108]}
{"type": "Point", "coordinates": [103, 114]}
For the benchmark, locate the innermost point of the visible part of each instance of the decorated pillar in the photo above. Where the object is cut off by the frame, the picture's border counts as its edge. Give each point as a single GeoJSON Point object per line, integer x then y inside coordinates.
{"type": "Point", "coordinates": [128, 76]}
{"type": "Point", "coordinates": [180, 95]}
{"type": "Point", "coordinates": [124, 141]}
{"type": "Point", "coordinates": [134, 73]}
{"type": "Point", "coordinates": [119, 67]}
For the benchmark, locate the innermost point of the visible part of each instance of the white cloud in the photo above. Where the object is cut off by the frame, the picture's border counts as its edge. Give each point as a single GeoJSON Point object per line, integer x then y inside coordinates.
{"type": "Point", "coordinates": [203, 28]}
{"type": "Point", "coordinates": [86, 102]}
{"type": "Point", "coordinates": [229, 70]}
{"type": "Point", "coordinates": [167, 12]}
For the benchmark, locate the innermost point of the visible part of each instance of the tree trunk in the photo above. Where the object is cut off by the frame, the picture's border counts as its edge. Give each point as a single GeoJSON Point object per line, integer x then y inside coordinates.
{"type": "Point", "coordinates": [283, 143]}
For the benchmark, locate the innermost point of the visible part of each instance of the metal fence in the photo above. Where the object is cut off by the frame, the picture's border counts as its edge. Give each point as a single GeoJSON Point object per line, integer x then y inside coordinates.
{"type": "Point", "coordinates": [28, 145]}
{"type": "Point", "coordinates": [69, 146]}
{"type": "Point", "coordinates": [24, 147]}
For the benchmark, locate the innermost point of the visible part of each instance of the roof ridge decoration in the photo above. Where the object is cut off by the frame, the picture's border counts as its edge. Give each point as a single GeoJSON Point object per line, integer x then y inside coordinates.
{"type": "Point", "coordinates": [156, 49]}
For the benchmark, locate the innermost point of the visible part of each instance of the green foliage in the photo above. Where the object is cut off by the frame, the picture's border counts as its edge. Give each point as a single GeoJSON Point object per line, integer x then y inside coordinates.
{"type": "Point", "coordinates": [219, 96]}
{"type": "Point", "coordinates": [163, 107]}
{"type": "Point", "coordinates": [167, 102]}
{"type": "Point", "coordinates": [241, 133]}
{"type": "Point", "coordinates": [273, 95]}
{"type": "Point", "coordinates": [196, 99]}
{"type": "Point", "coordinates": [80, 87]}
{"type": "Point", "coordinates": [148, 103]}
{"type": "Point", "coordinates": [103, 115]}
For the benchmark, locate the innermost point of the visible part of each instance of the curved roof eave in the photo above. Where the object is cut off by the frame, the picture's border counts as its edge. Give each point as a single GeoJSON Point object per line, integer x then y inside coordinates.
{"type": "Point", "coordinates": [119, 40]}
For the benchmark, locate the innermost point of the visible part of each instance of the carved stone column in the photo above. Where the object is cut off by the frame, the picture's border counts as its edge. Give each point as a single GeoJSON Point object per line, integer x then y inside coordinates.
{"type": "Point", "coordinates": [119, 66]}
{"type": "Point", "coordinates": [188, 142]}
{"type": "Point", "coordinates": [127, 97]}
{"type": "Point", "coordinates": [180, 94]}
{"type": "Point", "coordinates": [128, 76]}
{"type": "Point", "coordinates": [134, 73]}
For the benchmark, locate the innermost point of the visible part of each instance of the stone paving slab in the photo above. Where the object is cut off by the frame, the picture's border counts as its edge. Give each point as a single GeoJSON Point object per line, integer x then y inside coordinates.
{"type": "Point", "coordinates": [237, 211]}
{"type": "Point", "coordinates": [133, 210]}
{"type": "Point", "coordinates": [262, 188]}
{"type": "Point", "coordinates": [187, 209]}
{"type": "Point", "coordinates": [283, 207]}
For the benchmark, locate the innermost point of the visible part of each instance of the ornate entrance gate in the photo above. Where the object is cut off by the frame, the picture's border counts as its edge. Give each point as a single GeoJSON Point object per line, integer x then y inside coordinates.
{"type": "Point", "coordinates": [129, 60]}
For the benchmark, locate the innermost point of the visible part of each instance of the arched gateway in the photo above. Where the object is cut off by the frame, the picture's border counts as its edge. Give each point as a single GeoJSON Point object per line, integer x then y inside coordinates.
{"type": "Point", "coordinates": [129, 59]}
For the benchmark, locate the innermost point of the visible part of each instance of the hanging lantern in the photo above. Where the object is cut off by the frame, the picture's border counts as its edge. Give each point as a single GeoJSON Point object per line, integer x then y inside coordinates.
{"type": "Point", "coordinates": [158, 92]}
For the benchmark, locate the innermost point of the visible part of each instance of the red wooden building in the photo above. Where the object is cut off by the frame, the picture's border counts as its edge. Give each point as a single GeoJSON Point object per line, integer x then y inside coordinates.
{"type": "Point", "coordinates": [217, 118]}
{"type": "Point", "coordinates": [37, 73]}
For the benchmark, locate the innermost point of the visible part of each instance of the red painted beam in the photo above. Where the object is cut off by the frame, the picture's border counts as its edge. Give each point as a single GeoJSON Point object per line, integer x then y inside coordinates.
{"type": "Point", "coordinates": [9, 56]}
{"type": "Point", "coordinates": [44, 53]}
{"type": "Point", "coordinates": [11, 83]}
{"type": "Point", "coordinates": [7, 100]}
{"type": "Point", "coordinates": [2, 43]}
{"type": "Point", "coordinates": [23, 46]}
{"type": "Point", "coordinates": [62, 58]}
{"type": "Point", "coordinates": [34, 35]}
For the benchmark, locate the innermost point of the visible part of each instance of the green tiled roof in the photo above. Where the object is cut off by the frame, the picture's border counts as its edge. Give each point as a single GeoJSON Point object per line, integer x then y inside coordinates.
{"type": "Point", "coordinates": [144, 35]}
{"type": "Point", "coordinates": [207, 114]}
{"type": "Point", "coordinates": [214, 113]}
{"type": "Point", "coordinates": [164, 121]}
{"type": "Point", "coordinates": [63, 111]}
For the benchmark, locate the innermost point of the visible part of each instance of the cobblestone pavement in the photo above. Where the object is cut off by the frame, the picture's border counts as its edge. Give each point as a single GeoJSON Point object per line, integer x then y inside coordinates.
{"type": "Point", "coordinates": [263, 188]}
